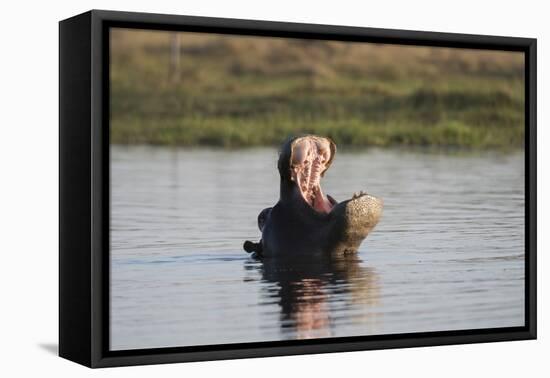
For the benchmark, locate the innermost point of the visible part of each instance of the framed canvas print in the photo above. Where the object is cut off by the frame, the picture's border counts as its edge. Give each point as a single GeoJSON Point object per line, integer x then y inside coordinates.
{"type": "Point", "coordinates": [233, 188]}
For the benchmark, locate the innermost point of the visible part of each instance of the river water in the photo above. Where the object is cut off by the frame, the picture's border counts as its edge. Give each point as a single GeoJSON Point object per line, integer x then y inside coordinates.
{"type": "Point", "coordinates": [448, 253]}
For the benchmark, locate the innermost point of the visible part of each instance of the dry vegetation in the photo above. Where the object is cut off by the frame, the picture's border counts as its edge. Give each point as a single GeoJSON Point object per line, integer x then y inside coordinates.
{"type": "Point", "coordinates": [241, 91]}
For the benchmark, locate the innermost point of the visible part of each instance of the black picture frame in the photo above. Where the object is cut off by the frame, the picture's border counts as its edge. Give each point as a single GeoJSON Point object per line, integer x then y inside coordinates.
{"type": "Point", "coordinates": [84, 188]}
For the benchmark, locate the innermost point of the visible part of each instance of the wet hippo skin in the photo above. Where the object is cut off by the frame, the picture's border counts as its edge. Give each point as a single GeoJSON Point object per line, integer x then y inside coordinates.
{"type": "Point", "coordinates": [306, 222]}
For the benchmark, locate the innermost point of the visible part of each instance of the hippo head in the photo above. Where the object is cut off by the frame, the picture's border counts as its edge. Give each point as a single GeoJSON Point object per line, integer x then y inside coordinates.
{"type": "Point", "coordinates": [302, 163]}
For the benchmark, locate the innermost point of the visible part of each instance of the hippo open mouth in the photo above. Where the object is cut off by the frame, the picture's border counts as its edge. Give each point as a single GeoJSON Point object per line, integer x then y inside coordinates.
{"type": "Point", "coordinates": [310, 158]}
{"type": "Point", "coordinates": [305, 222]}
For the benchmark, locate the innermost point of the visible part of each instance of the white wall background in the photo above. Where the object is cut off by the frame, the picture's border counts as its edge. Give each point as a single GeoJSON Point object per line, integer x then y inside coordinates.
{"type": "Point", "coordinates": [29, 176]}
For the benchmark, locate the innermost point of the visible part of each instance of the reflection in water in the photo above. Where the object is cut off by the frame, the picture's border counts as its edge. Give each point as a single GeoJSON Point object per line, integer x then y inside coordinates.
{"type": "Point", "coordinates": [304, 288]}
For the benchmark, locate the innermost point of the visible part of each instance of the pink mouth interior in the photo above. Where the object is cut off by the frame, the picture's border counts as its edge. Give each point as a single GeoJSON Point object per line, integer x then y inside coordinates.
{"type": "Point", "coordinates": [311, 156]}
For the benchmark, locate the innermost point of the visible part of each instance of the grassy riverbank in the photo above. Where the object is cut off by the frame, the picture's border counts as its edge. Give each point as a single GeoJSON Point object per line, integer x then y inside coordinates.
{"type": "Point", "coordinates": [248, 91]}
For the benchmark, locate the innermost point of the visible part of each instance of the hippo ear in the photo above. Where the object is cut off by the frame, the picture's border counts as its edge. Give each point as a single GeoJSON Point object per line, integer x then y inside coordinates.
{"type": "Point", "coordinates": [332, 153]}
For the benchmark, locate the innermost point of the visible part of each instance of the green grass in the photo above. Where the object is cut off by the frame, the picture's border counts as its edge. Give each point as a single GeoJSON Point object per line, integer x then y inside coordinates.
{"type": "Point", "coordinates": [249, 91]}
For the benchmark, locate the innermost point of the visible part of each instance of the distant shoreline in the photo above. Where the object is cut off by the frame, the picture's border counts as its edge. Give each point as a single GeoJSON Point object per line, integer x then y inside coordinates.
{"type": "Point", "coordinates": [341, 148]}
{"type": "Point", "coordinates": [235, 92]}
{"type": "Point", "coordinates": [255, 134]}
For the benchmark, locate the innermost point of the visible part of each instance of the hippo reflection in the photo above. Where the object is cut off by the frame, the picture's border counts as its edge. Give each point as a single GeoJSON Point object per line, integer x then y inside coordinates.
{"type": "Point", "coordinates": [306, 221]}
{"type": "Point", "coordinates": [311, 294]}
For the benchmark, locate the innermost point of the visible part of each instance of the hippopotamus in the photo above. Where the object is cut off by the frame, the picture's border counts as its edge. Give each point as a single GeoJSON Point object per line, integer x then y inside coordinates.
{"type": "Point", "coordinates": [306, 222]}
